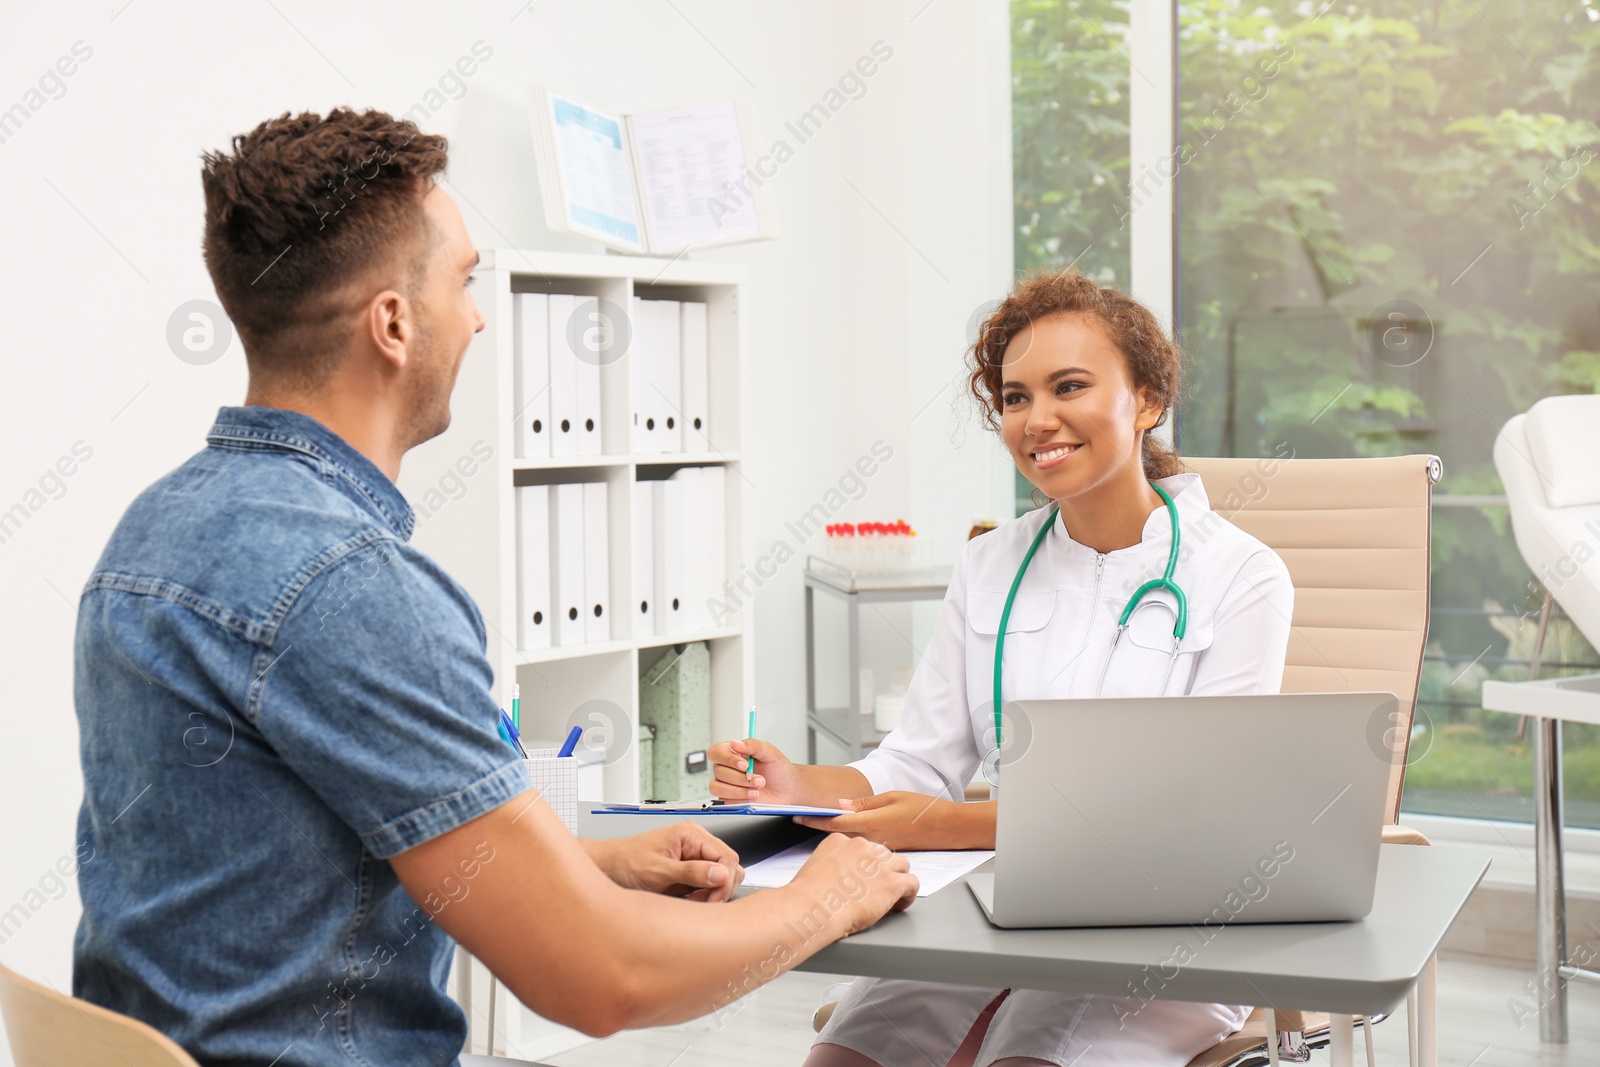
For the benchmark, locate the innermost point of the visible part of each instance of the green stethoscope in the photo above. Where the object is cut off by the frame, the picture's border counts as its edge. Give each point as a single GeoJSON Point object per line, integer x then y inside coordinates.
{"type": "Point", "coordinates": [992, 763]}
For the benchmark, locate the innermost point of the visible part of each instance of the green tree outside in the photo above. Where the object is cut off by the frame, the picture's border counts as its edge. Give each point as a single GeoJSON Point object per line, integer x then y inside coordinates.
{"type": "Point", "coordinates": [1390, 236]}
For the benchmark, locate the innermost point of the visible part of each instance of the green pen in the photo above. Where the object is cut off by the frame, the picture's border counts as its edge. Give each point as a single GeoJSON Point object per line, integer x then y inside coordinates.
{"type": "Point", "coordinates": [516, 705]}
{"type": "Point", "coordinates": [750, 767]}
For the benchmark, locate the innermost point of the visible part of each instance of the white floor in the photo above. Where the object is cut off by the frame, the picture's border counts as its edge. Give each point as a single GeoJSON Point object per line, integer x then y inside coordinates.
{"type": "Point", "coordinates": [1477, 1028]}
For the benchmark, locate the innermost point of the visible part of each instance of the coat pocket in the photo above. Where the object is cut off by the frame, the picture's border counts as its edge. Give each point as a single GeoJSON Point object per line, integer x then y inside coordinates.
{"type": "Point", "coordinates": [1142, 658]}
{"type": "Point", "coordinates": [1030, 611]}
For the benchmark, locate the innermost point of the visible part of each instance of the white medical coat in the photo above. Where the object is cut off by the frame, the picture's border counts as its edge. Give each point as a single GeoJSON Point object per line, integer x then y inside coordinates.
{"type": "Point", "coordinates": [1059, 634]}
{"type": "Point", "coordinates": [1058, 639]}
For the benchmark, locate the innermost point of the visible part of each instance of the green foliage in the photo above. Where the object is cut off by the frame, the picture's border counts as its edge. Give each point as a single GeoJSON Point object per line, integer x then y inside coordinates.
{"type": "Point", "coordinates": [1475, 763]}
{"type": "Point", "coordinates": [1336, 160]}
{"type": "Point", "coordinates": [1441, 154]}
{"type": "Point", "coordinates": [1579, 372]}
{"type": "Point", "coordinates": [1069, 105]}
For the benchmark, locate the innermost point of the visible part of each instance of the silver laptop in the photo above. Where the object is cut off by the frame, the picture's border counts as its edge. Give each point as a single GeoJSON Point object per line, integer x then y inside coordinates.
{"type": "Point", "coordinates": [1211, 810]}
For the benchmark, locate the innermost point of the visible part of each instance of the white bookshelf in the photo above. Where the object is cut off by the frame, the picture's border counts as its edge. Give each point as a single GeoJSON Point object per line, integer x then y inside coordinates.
{"type": "Point", "coordinates": [467, 522]}
{"type": "Point", "coordinates": [473, 532]}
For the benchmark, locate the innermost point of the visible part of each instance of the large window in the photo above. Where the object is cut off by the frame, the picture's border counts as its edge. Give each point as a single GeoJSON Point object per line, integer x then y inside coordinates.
{"type": "Point", "coordinates": [1389, 223]}
{"type": "Point", "coordinates": [1069, 123]}
{"type": "Point", "coordinates": [1069, 106]}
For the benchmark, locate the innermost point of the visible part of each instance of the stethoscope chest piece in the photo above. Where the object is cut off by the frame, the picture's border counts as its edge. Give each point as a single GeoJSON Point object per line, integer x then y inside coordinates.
{"type": "Point", "coordinates": [991, 767]}
{"type": "Point", "coordinates": [1018, 738]}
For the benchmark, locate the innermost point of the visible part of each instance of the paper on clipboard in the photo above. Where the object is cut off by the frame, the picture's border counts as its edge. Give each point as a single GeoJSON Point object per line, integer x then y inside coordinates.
{"type": "Point", "coordinates": [714, 807]}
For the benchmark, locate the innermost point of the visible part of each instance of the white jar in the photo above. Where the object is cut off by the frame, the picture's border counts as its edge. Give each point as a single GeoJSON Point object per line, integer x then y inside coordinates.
{"type": "Point", "coordinates": [887, 710]}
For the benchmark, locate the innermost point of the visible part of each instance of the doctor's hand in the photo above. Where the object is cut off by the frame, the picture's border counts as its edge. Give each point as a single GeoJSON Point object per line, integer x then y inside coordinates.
{"type": "Point", "coordinates": [910, 821]}
{"type": "Point", "coordinates": [681, 860]}
{"type": "Point", "coordinates": [776, 780]}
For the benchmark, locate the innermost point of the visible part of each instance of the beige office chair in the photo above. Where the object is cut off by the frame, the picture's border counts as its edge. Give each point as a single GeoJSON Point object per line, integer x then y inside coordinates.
{"type": "Point", "coordinates": [50, 1029]}
{"type": "Point", "coordinates": [1355, 535]}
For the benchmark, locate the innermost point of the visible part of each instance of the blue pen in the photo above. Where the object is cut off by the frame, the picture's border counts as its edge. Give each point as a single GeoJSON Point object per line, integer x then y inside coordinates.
{"type": "Point", "coordinates": [571, 743]}
{"type": "Point", "coordinates": [508, 730]}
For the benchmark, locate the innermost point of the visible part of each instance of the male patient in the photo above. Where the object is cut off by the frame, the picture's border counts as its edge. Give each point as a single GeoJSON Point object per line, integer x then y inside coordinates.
{"type": "Point", "coordinates": [293, 784]}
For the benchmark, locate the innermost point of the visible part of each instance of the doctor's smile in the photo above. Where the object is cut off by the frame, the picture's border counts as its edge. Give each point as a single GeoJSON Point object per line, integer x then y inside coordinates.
{"type": "Point", "coordinates": [1049, 456]}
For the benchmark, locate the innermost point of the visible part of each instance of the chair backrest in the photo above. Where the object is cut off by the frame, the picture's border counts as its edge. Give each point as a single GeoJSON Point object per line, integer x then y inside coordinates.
{"type": "Point", "coordinates": [1354, 534]}
{"type": "Point", "coordinates": [48, 1029]}
{"type": "Point", "coordinates": [1546, 463]}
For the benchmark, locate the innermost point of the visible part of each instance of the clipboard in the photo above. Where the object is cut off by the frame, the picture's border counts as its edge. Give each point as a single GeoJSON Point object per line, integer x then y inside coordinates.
{"type": "Point", "coordinates": [712, 807]}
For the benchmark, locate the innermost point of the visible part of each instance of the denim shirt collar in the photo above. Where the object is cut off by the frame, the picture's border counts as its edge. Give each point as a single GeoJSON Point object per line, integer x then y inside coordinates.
{"type": "Point", "coordinates": [274, 429]}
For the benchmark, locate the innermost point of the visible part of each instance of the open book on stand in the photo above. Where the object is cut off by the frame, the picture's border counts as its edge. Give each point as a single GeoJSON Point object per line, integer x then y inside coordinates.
{"type": "Point", "coordinates": [656, 183]}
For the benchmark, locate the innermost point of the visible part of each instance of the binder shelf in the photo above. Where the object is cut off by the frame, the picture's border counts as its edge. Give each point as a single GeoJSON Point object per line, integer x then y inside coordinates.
{"type": "Point", "coordinates": [593, 457]}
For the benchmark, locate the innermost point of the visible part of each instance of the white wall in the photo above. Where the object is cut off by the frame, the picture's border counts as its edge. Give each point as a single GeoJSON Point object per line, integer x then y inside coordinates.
{"type": "Point", "coordinates": [895, 216]}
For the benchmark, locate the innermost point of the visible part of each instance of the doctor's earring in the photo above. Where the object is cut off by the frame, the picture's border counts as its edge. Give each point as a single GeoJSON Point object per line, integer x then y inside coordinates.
{"type": "Point", "coordinates": [1038, 497]}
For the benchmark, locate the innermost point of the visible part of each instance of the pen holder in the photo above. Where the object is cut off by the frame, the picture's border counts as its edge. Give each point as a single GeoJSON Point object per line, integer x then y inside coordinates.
{"type": "Point", "coordinates": [556, 779]}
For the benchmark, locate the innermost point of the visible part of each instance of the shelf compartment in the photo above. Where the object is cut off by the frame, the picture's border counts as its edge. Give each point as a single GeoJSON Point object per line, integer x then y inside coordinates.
{"type": "Point", "coordinates": [683, 459]}
{"type": "Point", "coordinates": [557, 653]}
{"type": "Point", "coordinates": [652, 459]}
{"type": "Point", "coordinates": [663, 640]}
{"type": "Point", "coordinates": [545, 463]}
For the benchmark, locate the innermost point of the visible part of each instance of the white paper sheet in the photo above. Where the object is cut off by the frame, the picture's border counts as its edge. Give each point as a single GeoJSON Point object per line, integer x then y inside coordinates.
{"type": "Point", "coordinates": [934, 870]}
{"type": "Point", "coordinates": [690, 160]}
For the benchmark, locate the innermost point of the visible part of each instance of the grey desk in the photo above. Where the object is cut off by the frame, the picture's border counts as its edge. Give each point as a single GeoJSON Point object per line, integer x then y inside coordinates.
{"type": "Point", "coordinates": [1359, 968]}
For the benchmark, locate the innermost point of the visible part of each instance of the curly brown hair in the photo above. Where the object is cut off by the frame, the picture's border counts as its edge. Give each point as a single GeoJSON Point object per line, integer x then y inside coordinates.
{"type": "Point", "coordinates": [303, 208]}
{"type": "Point", "coordinates": [1154, 360]}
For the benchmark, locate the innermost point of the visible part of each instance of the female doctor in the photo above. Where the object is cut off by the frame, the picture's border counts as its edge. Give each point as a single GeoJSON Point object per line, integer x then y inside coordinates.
{"type": "Point", "coordinates": [1125, 583]}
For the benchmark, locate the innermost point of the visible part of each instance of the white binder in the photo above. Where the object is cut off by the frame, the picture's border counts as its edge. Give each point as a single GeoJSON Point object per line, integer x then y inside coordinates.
{"type": "Point", "coordinates": [642, 609]}
{"type": "Point", "coordinates": [589, 329]}
{"type": "Point", "coordinates": [566, 563]}
{"type": "Point", "coordinates": [667, 571]}
{"type": "Point", "coordinates": [596, 564]}
{"type": "Point", "coordinates": [666, 374]}
{"type": "Point", "coordinates": [531, 371]}
{"type": "Point", "coordinates": [693, 615]}
{"type": "Point", "coordinates": [563, 380]}
{"type": "Point", "coordinates": [715, 496]}
{"type": "Point", "coordinates": [533, 567]}
{"type": "Point", "coordinates": [639, 379]}
{"type": "Point", "coordinates": [696, 378]}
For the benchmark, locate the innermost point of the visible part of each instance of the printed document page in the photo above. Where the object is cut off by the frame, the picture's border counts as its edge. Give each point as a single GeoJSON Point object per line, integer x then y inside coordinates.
{"type": "Point", "coordinates": [692, 173]}
{"type": "Point", "coordinates": [934, 870]}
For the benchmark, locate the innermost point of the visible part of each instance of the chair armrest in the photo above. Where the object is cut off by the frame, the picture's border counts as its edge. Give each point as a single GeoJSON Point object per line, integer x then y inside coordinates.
{"type": "Point", "coordinates": [1403, 835]}
{"type": "Point", "coordinates": [1301, 1021]}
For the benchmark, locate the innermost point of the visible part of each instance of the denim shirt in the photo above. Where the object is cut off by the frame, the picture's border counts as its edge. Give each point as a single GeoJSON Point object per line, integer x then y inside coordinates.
{"type": "Point", "coordinates": [275, 694]}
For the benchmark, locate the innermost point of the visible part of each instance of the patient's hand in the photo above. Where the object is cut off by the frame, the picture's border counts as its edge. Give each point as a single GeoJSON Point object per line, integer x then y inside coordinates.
{"type": "Point", "coordinates": [681, 860]}
{"type": "Point", "coordinates": [906, 821]}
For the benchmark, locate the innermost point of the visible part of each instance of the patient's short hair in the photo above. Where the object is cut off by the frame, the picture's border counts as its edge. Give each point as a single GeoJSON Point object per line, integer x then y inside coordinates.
{"type": "Point", "coordinates": [306, 218]}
